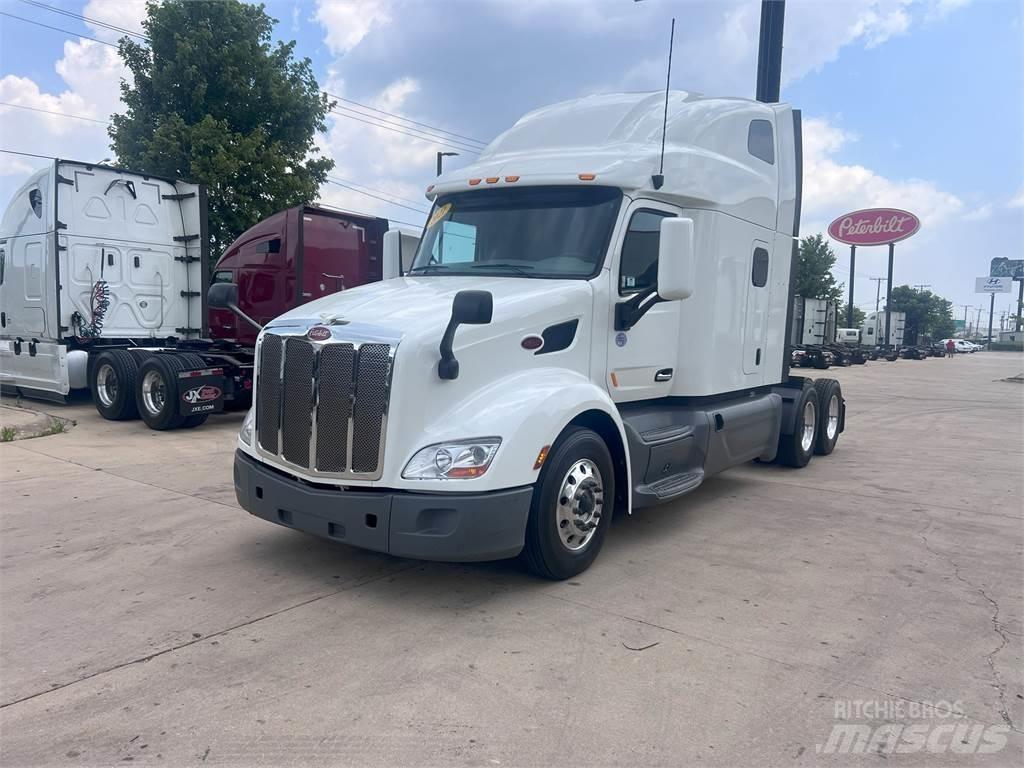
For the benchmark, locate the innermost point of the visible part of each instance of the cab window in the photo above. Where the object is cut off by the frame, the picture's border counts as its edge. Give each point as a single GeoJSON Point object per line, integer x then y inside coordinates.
{"type": "Point", "coordinates": [638, 268]}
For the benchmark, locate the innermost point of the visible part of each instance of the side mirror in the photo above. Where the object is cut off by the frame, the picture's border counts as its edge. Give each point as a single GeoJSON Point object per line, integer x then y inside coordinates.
{"type": "Point", "coordinates": [675, 259]}
{"type": "Point", "coordinates": [222, 295]}
{"type": "Point", "coordinates": [225, 296]}
{"type": "Point", "coordinates": [468, 308]}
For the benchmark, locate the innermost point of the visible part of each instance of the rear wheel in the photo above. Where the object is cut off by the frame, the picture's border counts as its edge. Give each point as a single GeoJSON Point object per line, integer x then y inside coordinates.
{"type": "Point", "coordinates": [572, 506]}
{"type": "Point", "coordinates": [796, 449]}
{"type": "Point", "coordinates": [830, 411]}
{"type": "Point", "coordinates": [112, 384]}
{"type": "Point", "coordinates": [157, 392]}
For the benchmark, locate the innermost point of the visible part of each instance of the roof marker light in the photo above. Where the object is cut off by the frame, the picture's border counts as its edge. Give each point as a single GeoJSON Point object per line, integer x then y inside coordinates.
{"type": "Point", "coordinates": [587, 176]}
{"type": "Point", "coordinates": [491, 179]}
{"type": "Point", "coordinates": [511, 179]}
{"type": "Point", "coordinates": [474, 182]}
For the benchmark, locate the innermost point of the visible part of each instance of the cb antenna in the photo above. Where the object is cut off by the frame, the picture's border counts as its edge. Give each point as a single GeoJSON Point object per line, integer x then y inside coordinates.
{"type": "Point", "coordinates": [659, 178]}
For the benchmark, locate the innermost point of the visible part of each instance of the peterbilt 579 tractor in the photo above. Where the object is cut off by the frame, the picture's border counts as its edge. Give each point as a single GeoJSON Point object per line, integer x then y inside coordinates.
{"type": "Point", "coordinates": [587, 327]}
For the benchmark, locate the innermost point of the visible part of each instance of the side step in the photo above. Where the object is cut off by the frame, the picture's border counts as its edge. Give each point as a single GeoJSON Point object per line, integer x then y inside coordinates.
{"type": "Point", "coordinates": [674, 485]}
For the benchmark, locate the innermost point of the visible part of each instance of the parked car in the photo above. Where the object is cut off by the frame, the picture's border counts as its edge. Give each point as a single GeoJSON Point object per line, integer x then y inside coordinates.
{"type": "Point", "coordinates": [962, 345]}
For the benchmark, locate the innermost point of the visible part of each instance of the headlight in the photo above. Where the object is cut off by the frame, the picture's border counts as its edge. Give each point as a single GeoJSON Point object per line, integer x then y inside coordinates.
{"type": "Point", "coordinates": [245, 433]}
{"type": "Point", "coordinates": [455, 460]}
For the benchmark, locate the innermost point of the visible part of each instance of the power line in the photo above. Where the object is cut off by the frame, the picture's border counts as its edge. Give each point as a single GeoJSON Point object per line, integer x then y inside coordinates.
{"type": "Point", "coordinates": [379, 191]}
{"type": "Point", "coordinates": [51, 112]}
{"type": "Point", "coordinates": [97, 22]}
{"type": "Point", "coordinates": [378, 197]}
{"type": "Point", "coordinates": [454, 142]}
{"type": "Point", "coordinates": [57, 29]}
{"type": "Point", "coordinates": [367, 215]}
{"type": "Point", "coordinates": [432, 139]}
{"type": "Point", "coordinates": [408, 120]}
{"type": "Point", "coordinates": [27, 154]}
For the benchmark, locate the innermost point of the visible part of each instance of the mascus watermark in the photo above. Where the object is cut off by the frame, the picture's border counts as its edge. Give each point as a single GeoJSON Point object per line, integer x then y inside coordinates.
{"type": "Point", "coordinates": [941, 729]}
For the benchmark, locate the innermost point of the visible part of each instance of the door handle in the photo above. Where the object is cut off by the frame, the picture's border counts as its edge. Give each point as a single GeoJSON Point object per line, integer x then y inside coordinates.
{"type": "Point", "coordinates": [665, 374]}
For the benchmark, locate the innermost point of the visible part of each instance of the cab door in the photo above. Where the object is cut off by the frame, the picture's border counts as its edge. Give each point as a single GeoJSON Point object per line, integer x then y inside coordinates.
{"type": "Point", "coordinates": [643, 359]}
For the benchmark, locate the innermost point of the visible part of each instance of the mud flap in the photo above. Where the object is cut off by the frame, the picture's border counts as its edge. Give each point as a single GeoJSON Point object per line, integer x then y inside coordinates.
{"type": "Point", "coordinates": [202, 391]}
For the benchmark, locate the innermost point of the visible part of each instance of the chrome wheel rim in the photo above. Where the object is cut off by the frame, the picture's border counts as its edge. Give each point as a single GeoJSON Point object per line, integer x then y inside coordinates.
{"type": "Point", "coordinates": [106, 385]}
{"type": "Point", "coordinates": [154, 393]}
{"type": "Point", "coordinates": [832, 425]}
{"type": "Point", "coordinates": [579, 505]}
{"type": "Point", "coordinates": [807, 436]}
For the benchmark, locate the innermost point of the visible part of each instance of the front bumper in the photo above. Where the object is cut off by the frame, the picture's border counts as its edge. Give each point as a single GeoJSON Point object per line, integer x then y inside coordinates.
{"type": "Point", "coordinates": [426, 526]}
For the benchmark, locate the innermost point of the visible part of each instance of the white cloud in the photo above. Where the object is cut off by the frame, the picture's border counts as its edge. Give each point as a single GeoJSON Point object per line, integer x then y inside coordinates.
{"type": "Point", "coordinates": [980, 213]}
{"type": "Point", "coordinates": [1017, 201]}
{"type": "Point", "coordinates": [126, 14]}
{"type": "Point", "coordinates": [832, 188]}
{"type": "Point", "coordinates": [347, 22]}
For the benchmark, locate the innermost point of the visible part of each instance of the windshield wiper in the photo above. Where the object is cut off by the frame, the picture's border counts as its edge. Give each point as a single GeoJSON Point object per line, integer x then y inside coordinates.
{"type": "Point", "coordinates": [427, 267]}
{"type": "Point", "coordinates": [520, 268]}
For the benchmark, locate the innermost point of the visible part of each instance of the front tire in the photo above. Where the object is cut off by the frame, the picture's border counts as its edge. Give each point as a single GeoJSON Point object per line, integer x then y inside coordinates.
{"type": "Point", "coordinates": [572, 506]}
{"type": "Point", "coordinates": [796, 449]}
{"type": "Point", "coordinates": [112, 383]}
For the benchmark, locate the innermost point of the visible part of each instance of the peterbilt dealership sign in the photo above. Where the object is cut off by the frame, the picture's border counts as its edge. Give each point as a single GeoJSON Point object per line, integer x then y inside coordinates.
{"type": "Point", "coordinates": [874, 226]}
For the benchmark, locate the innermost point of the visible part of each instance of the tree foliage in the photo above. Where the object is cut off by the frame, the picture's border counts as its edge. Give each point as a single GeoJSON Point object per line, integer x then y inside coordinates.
{"type": "Point", "coordinates": [927, 314]}
{"type": "Point", "coordinates": [814, 278]}
{"type": "Point", "coordinates": [213, 101]}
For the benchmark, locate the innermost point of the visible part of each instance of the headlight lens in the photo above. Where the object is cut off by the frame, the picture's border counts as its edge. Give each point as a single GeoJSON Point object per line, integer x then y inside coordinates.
{"type": "Point", "coordinates": [245, 433]}
{"type": "Point", "coordinates": [457, 460]}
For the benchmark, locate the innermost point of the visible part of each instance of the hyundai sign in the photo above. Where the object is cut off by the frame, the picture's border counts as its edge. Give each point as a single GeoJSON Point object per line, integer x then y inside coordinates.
{"type": "Point", "coordinates": [874, 226]}
{"type": "Point", "coordinates": [993, 284]}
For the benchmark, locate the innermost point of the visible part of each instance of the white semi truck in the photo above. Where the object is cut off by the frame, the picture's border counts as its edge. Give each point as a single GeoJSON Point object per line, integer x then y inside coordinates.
{"type": "Point", "coordinates": [583, 331]}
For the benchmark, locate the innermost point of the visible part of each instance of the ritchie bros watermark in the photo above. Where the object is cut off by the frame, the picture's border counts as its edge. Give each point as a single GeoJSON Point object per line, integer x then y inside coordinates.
{"type": "Point", "coordinates": [924, 727]}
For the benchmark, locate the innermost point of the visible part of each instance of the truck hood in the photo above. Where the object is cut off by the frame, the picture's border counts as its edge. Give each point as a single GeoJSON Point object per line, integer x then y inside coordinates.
{"type": "Point", "coordinates": [421, 306]}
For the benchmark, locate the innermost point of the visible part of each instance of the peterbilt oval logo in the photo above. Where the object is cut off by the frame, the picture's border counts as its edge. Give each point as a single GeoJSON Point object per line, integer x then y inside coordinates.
{"type": "Point", "coordinates": [201, 394]}
{"type": "Point", "coordinates": [874, 226]}
{"type": "Point", "coordinates": [319, 333]}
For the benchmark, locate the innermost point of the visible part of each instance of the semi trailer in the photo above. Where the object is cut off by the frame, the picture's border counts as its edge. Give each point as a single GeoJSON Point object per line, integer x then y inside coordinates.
{"type": "Point", "coordinates": [103, 286]}
{"type": "Point", "coordinates": [595, 321]}
{"type": "Point", "coordinates": [873, 334]}
{"type": "Point", "coordinates": [816, 341]}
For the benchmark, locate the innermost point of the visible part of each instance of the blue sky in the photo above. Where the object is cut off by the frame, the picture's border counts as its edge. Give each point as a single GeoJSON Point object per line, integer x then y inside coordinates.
{"type": "Point", "coordinates": [908, 103]}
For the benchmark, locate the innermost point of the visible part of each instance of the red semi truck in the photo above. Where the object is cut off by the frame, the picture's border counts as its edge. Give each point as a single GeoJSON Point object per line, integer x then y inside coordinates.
{"type": "Point", "coordinates": [293, 257]}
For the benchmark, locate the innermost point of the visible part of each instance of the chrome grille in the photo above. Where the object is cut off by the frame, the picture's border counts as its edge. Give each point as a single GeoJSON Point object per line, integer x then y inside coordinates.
{"type": "Point", "coordinates": [268, 411]}
{"type": "Point", "coordinates": [323, 406]}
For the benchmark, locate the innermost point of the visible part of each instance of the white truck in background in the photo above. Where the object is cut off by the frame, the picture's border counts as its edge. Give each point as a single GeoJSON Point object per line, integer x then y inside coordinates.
{"type": "Point", "coordinates": [588, 326]}
{"type": "Point", "coordinates": [103, 276]}
{"type": "Point", "coordinates": [872, 334]}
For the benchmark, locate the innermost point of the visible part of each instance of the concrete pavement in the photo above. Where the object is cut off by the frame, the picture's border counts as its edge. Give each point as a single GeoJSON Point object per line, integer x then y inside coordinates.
{"type": "Point", "coordinates": [144, 618]}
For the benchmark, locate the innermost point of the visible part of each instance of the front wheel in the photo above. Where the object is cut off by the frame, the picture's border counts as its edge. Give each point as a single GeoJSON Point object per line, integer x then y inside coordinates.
{"type": "Point", "coordinates": [572, 506]}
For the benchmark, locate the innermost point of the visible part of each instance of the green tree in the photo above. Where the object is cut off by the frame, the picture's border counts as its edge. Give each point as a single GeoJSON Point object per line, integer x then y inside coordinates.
{"type": "Point", "coordinates": [213, 101]}
{"type": "Point", "coordinates": [858, 317]}
{"type": "Point", "coordinates": [927, 314]}
{"type": "Point", "coordinates": [814, 278]}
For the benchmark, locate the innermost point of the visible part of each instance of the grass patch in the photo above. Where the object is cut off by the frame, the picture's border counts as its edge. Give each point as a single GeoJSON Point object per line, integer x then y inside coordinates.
{"type": "Point", "coordinates": [6, 434]}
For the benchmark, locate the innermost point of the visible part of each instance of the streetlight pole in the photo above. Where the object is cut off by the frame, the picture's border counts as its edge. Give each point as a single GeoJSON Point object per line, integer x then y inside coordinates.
{"type": "Point", "coordinates": [440, 158]}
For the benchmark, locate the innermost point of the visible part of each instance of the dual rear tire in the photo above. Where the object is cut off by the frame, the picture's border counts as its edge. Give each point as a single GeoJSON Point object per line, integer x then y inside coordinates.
{"type": "Point", "coordinates": [126, 386]}
{"type": "Point", "coordinates": [816, 427]}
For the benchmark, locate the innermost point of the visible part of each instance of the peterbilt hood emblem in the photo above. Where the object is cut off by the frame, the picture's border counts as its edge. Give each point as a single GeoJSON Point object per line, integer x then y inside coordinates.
{"type": "Point", "coordinates": [318, 333]}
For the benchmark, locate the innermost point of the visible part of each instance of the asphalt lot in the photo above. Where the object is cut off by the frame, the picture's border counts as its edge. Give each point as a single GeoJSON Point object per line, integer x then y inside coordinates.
{"type": "Point", "coordinates": [145, 618]}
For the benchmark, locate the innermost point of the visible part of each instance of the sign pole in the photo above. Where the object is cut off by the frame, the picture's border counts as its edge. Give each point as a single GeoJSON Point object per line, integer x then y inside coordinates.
{"type": "Point", "coordinates": [991, 311]}
{"type": "Point", "coordinates": [1020, 307]}
{"type": "Point", "coordinates": [849, 309]}
{"type": "Point", "coordinates": [888, 295]}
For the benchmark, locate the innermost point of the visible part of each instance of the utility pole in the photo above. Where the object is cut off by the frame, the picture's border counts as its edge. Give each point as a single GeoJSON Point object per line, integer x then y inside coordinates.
{"type": "Point", "coordinates": [878, 290]}
{"type": "Point", "coordinates": [977, 323]}
{"type": "Point", "coordinates": [966, 307]}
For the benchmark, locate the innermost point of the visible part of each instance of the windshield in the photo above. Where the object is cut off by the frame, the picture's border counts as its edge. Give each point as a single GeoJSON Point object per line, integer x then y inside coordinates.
{"type": "Point", "coordinates": [552, 232]}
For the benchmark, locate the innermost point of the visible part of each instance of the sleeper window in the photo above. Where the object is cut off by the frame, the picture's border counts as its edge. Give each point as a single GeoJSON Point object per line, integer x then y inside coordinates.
{"type": "Point", "coordinates": [638, 269]}
{"type": "Point", "coordinates": [35, 199]}
{"type": "Point", "coordinates": [760, 141]}
{"type": "Point", "coordinates": [759, 270]}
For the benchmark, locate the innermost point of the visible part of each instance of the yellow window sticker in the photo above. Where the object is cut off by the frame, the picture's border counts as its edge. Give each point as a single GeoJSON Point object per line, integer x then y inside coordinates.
{"type": "Point", "coordinates": [439, 213]}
